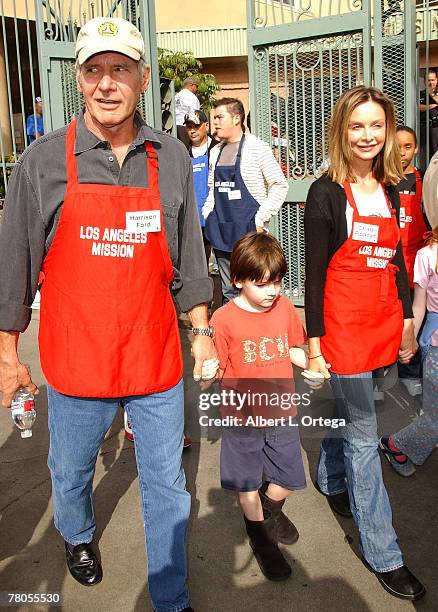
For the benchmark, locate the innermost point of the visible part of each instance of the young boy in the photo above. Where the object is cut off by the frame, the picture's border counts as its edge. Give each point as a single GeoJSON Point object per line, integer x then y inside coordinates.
{"type": "Point", "coordinates": [253, 333]}
{"type": "Point", "coordinates": [412, 229]}
{"type": "Point", "coordinates": [412, 224]}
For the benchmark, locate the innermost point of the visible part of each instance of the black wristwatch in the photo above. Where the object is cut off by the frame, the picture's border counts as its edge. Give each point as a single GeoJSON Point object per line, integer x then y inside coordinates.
{"type": "Point", "coordinates": [203, 331]}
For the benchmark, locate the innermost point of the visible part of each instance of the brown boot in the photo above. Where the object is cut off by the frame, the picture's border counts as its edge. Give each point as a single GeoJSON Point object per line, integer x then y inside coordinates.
{"type": "Point", "coordinates": [269, 557]}
{"type": "Point", "coordinates": [284, 531]}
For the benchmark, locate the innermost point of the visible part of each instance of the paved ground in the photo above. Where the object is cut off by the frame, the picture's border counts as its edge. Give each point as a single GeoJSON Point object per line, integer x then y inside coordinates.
{"type": "Point", "coordinates": [327, 572]}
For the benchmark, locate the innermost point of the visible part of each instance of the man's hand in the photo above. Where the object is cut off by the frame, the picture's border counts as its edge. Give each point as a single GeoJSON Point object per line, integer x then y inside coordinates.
{"type": "Point", "coordinates": [203, 350]}
{"type": "Point", "coordinates": [12, 377]}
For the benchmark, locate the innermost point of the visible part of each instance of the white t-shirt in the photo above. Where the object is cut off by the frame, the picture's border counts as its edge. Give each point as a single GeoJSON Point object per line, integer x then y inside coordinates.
{"type": "Point", "coordinates": [373, 205]}
{"type": "Point", "coordinates": [185, 101]}
{"type": "Point", "coordinates": [202, 150]}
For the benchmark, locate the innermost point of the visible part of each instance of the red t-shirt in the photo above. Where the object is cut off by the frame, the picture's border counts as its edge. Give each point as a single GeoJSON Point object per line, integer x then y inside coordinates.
{"type": "Point", "coordinates": [253, 350]}
{"type": "Point", "coordinates": [256, 344]}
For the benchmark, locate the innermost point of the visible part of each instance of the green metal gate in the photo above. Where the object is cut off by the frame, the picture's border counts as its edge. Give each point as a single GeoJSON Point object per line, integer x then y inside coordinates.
{"type": "Point", "coordinates": [302, 55]}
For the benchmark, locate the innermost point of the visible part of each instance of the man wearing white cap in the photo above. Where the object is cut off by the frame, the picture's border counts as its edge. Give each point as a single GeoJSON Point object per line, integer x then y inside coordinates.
{"type": "Point", "coordinates": [108, 228]}
{"type": "Point", "coordinates": [186, 102]}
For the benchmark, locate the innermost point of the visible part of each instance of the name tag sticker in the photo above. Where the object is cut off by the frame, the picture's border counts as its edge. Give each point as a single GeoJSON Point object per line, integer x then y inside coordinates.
{"type": "Point", "coordinates": [143, 221]}
{"type": "Point", "coordinates": [365, 232]}
{"type": "Point", "coordinates": [234, 194]}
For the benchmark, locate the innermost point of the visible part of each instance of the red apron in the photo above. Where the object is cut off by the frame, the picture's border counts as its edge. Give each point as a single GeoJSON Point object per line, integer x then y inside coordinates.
{"type": "Point", "coordinates": [108, 326]}
{"type": "Point", "coordinates": [412, 226]}
{"type": "Point", "coordinates": [363, 316]}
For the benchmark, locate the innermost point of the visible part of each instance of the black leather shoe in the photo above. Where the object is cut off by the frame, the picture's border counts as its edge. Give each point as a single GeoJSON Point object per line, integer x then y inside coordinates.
{"type": "Point", "coordinates": [400, 582]}
{"type": "Point", "coordinates": [339, 503]}
{"type": "Point", "coordinates": [83, 564]}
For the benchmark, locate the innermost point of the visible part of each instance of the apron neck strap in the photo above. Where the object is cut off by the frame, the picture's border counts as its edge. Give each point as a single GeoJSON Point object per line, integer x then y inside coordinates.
{"type": "Point", "coordinates": [239, 151]}
{"type": "Point", "coordinates": [350, 197]}
{"type": "Point", "coordinates": [72, 171]}
{"type": "Point", "coordinates": [152, 162]}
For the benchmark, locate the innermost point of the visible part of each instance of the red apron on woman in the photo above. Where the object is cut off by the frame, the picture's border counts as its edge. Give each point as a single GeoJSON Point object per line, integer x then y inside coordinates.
{"type": "Point", "coordinates": [412, 226]}
{"type": "Point", "coordinates": [363, 315]}
{"type": "Point", "coordinates": [108, 325]}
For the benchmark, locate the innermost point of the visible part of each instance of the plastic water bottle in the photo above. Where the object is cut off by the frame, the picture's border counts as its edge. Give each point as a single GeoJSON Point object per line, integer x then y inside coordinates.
{"type": "Point", "coordinates": [23, 411]}
{"type": "Point", "coordinates": [129, 435]}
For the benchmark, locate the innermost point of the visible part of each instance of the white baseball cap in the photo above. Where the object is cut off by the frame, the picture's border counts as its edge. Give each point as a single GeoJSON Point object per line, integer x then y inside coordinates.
{"type": "Point", "coordinates": [105, 34]}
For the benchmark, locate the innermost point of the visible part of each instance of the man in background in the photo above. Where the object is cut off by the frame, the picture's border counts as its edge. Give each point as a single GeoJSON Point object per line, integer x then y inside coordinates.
{"type": "Point", "coordinates": [185, 102]}
{"type": "Point", "coordinates": [34, 123]}
{"type": "Point", "coordinates": [246, 187]}
{"type": "Point", "coordinates": [196, 125]}
{"type": "Point", "coordinates": [429, 114]}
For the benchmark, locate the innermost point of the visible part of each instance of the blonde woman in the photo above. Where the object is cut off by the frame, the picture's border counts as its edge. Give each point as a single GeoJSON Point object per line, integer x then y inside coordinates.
{"type": "Point", "coordinates": [359, 315]}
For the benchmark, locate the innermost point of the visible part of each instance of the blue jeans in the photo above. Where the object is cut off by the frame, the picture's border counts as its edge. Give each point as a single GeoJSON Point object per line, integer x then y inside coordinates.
{"type": "Point", "coordinates": [353, 457]}
{"type": "Point", "coordinates": [229, 291]}
{"type": "Point", "coordinates": [77, 429]}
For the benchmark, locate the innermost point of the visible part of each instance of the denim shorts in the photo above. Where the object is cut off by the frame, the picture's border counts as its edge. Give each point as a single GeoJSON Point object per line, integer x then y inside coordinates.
{"type": "Point", "coordinates": [251, 456]}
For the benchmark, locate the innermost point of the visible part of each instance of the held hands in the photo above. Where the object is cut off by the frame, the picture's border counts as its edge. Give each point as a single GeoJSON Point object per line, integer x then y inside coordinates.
{"type": "Point", "coordinates": [206, 361]}
{"type": "Point", "coordinates": [409, 345]}
{"type": "Point", "coordinates": [317, 372]}
{"type": "Point", "coordinates": [12, 377]}
{"type": "Point", "coordinates": [209, 369]}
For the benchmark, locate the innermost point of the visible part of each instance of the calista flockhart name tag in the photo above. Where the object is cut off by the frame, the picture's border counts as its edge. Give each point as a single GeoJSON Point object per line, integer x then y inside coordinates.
{"type": "Point", "coordinates": [365, 232]}
{"type": "Point", "coordinates": [143, 221]}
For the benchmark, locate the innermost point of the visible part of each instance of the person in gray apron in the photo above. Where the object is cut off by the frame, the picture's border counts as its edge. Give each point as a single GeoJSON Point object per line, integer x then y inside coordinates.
{"type": "Point", "coordinates": [247, 187]}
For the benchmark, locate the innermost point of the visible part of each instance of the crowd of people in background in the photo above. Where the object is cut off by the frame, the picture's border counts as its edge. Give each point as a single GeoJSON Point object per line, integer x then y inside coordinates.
{"type": "Point", "coordinates": [371, 239]}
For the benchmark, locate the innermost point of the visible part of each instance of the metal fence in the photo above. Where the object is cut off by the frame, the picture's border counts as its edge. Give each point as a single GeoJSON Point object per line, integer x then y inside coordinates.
{"type": "Point", "coordinates": [19, 81]}
{"type": "Point", "coordinates": [37, 41]}
{"type": "Point", "coordinates": [427, 66]}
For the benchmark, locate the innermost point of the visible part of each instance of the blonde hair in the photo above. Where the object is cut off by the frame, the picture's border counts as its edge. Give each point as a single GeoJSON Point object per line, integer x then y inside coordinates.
{"type": "Point", "coordinates": [387, 168]}
{"type": "Point", "coordinates": [433, 239]}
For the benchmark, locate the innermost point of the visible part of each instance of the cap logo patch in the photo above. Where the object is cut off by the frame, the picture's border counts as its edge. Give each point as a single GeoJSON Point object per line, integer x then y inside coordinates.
{"type": "Point", "coordinates": [107, 29]}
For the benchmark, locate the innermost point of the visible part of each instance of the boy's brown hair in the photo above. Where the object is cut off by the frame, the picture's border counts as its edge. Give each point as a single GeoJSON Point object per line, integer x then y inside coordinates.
{"type": "Point", "coordinates": [254, 255]}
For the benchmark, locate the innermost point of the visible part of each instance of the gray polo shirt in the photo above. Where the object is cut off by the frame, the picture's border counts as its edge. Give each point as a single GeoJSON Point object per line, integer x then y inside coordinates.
{"type": "Point", "coordinates": [36, 193]}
